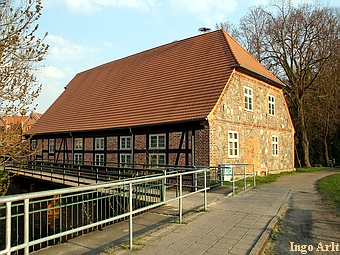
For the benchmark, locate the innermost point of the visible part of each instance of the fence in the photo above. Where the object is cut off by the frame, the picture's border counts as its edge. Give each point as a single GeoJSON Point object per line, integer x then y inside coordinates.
{"type": "Point", "coordinates": [36, 220]}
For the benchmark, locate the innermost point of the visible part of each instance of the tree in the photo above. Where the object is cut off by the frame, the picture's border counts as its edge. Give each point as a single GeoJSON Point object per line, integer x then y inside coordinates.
{"type": "Point", "coordinates": [296, 43]}
{"type": "Point", "coordinates": [20, 52]}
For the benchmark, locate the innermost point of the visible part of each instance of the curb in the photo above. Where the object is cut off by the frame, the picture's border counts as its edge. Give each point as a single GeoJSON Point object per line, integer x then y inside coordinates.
{"type": "Point", "coordinates": [261, 243]}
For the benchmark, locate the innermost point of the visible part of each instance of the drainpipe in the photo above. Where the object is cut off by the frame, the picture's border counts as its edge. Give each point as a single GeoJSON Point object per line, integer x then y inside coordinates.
{"type": "Point", "coordinates": [132, 146]}
{"type": "Point", "coordinates": [72, 147]}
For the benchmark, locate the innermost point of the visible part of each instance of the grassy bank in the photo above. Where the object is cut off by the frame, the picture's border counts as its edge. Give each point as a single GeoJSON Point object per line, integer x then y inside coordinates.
{"type": "Point", "coordinates": [329, 188]}
{"type": "Point", "coordinates": [273, 177]}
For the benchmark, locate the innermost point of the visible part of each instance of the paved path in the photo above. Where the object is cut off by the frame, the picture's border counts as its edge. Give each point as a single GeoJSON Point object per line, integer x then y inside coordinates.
{"type": "Point", "coordinates": [232, 225]}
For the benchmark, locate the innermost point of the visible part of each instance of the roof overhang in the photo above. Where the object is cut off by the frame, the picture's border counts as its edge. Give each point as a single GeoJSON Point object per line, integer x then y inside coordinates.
{"type": "Point", "coordinates": [259, 76]}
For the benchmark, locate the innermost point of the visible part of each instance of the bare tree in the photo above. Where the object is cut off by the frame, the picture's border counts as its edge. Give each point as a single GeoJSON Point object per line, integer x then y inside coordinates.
{"type": "Point", "coordinates": [295, 43]}
{"type": "Point", "coordinates": [20, 52]}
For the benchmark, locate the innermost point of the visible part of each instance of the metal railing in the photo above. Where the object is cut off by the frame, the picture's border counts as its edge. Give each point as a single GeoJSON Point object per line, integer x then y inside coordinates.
{"type": "Point", "coordinates": [237, 172]}
{"type": "Point", "coordinates": [74, 175]}
{"type": "Point", "coordinates": [36, 220]}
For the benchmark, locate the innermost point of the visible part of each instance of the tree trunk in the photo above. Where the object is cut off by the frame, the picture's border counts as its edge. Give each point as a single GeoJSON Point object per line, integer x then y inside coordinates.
{"type": "Point", "coordinates": [326, 150]}
{"type": "Point", "coordinates": [303, 133]}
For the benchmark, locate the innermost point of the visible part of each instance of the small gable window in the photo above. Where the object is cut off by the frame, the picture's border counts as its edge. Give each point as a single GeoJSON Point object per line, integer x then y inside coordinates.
{"type": "Point", "coordinates": [248, 98]}
{"type": "Point", "coordinates": [271, 105]}
{"type": "Point", "coordinates": [275, 145]}
{"type": "Point", "coordinates": [232, 144]}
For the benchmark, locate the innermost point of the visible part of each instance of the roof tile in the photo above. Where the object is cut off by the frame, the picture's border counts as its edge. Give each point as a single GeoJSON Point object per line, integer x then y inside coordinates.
{"type": "Point", "coordinates": [178, 81]}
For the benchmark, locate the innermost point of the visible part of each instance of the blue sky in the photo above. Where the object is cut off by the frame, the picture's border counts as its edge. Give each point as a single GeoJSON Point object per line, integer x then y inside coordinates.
{"type": "Point", "coordinates": [86, 33]}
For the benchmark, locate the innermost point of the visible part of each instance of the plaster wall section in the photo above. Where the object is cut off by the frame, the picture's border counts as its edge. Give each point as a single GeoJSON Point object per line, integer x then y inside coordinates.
{"type": "Point", "coordinates": [255, 128]}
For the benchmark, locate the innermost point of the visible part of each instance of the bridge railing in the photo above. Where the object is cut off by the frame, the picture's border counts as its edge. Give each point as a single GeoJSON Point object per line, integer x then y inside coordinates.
{"type": "Point", "coordinates": [35, 220]}
{"type": "Point", "coordinates": [74, 175]}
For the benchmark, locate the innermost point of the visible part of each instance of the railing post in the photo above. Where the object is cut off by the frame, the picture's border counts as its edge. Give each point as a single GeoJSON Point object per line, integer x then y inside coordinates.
{"type": "Point", "coordinates": [78, 175]}
{"type": "Point", "coordinates": [26, 226]}
{"type": "Point", "coordinates": [205, 190]}
{"type": "Point", "coordinates": [8, 227]}
{"type": "Point", "coordinates": [180, 199]}
{"type": "Point", "coordinates": [97, 175]}
{"type": "Point", "coordinates": [254, 176]}
{"type": "Point", "coordinates": [233, 180]}
{"type": "Point", "coordinates": [164, 186]}
{"type": "Point", "coordinates": [130, 216]}
{"type": "Point", "coordinates": [245, 178]}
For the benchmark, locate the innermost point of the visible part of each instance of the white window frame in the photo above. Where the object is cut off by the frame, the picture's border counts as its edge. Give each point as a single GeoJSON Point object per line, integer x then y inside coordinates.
{"type": "Point", "coordinates": [157, 156]}
{"type": "Point", "coordinates": [125, 142]}
{"type": "Point", "coordinates": [248, 99]}
{"type": "Point", "coordinates": [123, 159]}
{"type": "Point", "coordinates": [33, 144]}
{"type": "Point", "coordinates": [51, 145]}
{"type": "Point", "coordinates": [99, 143]}
{"type": "Point", "coordinates": [271, 105]}
{"type": "Point", "coordinates": [78, 143]}
{"type": "Point", "coordinates": [275, 145]}
{"type": "Point", "coordinates": [233, 144]}
{"type": "Point", "coordinates": [157, 146]}
{"type": "Point", "coordinates": [99, 159]}
{"type": "Point", "coordinates": [78, 159]}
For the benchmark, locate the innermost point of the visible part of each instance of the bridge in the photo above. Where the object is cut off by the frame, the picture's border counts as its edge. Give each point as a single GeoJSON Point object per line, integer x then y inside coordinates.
{"type": "Point", "coordinates": [101, 196]}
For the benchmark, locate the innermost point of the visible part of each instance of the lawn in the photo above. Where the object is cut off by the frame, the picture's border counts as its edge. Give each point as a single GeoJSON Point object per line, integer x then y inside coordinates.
{"type": "Point", "coordinates": [273, 177]}
{"type": "Point", "coordinates": [329, 188]}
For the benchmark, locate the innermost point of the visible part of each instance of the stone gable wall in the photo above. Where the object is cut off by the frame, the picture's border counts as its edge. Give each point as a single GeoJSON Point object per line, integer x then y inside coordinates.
{"type": "Point", "coordinates": [255, 128]}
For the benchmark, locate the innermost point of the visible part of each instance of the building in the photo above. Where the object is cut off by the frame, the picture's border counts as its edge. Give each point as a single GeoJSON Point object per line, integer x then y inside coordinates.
{"type": "Point", "coordinates": [198, 101]}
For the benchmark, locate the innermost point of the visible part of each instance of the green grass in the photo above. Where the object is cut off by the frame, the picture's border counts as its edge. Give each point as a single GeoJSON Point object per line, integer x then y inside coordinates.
{"type": "Point", "coordinates": [329, 188]}
{"type": "Point", "coordinates": [260, 180]}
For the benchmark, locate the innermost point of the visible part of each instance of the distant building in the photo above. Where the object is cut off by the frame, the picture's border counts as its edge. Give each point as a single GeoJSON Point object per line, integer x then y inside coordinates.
{"type": "Point", "coordinates": [198, 101]}
{"type": "Point", "coordinates": [20, 123]}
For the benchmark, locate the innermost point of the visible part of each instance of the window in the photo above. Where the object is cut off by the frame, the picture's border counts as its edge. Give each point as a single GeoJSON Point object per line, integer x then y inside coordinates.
{"type": "Point", "coordinates": [157, 159]}
{"type": "Point", "coordinates": [33, 144]}
{"type": "Point", "coordinates": [125, 158]}
{"type": "Point", "coordinates": [51, 146]}
{"type": "Point", "coordinates": [248, 98]}
{"type": "Point", "coordinates": [78, 159]}
{"type": "Point", "coordinates": [78, 143]}
{"type": "Point", "coordinates": [157, 141]}
{"type": "Point", "coordinates": [232, 144]}
{"type": "Point", "coordinates": [271, 105]}
{"type": "Point", "coordinates": [99, 143]}
{"type": "Point", "coordinates": [125, 143]}
{"type": "Point", "coordinates": [275, 145]}
{"type": "Point", "coordinates": [99, 159]}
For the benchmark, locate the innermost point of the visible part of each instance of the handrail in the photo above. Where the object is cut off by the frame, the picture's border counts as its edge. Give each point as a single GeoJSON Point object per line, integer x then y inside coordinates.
{"type": "Point", "coordinates": [21, 207]}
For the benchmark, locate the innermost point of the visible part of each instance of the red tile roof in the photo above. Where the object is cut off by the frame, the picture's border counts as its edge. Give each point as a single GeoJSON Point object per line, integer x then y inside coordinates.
{"type": "Point", "coordinates": [179, 81]}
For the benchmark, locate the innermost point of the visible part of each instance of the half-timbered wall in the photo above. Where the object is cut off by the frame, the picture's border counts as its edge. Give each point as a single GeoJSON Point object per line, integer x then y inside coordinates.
{"type": "Point", "coordinates": [178, 147]}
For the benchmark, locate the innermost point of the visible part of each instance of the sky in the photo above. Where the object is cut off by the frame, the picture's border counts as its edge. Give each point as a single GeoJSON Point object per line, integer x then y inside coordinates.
{"type": "Point", "coordinates": [83, 34]}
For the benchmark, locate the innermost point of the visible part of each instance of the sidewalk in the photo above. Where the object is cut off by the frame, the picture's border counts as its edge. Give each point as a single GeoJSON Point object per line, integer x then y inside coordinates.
{"type": "Point", "coordinates": [232, 225]}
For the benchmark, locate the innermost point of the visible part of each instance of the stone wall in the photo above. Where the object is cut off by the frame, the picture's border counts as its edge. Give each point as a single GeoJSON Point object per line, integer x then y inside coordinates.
{"type": "Point", "coordinates": [255, 128]}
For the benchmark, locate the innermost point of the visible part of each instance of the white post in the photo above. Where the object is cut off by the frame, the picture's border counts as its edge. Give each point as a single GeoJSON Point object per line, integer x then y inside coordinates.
{"type": "Point", "coordinates": [130, 216]}
{"type": "Point", "coordinates": [8, 227]}
{"type": "Point", "coordinates": [180, 200]}
{"type": "Point", "coordinates": [26, 225]}
{"type": "Point", "coordinates": [205, 190]}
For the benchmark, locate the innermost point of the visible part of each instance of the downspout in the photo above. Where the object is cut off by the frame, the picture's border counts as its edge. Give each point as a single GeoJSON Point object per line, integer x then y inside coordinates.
{"type": "Point", "coordinates": [72, 147]}
{"type": "Point", "coordinates": [132, 146]}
